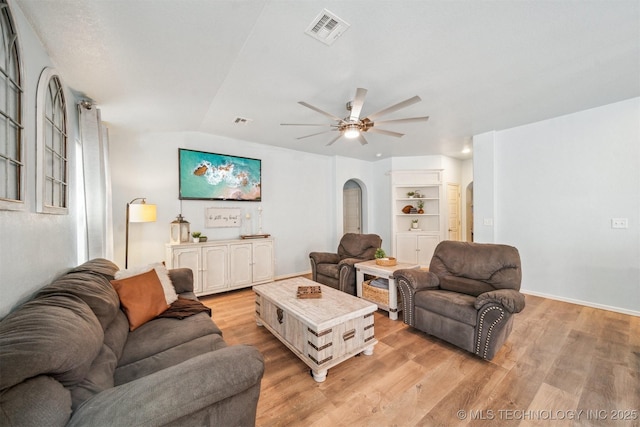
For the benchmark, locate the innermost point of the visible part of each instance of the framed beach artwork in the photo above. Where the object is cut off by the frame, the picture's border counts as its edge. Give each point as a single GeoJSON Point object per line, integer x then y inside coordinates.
{"type": "Point", "coordinates": [213, 176]}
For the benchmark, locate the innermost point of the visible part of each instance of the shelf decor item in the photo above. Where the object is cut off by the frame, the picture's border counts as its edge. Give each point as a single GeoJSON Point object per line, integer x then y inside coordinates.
{"type": "Point", "coordinates": [382, 258]}
{"type": "Point", "coordinates": [305, 292]}
{"type": "Point", "coordinates": [179, 230]}
{"type": "Point", "coordinates": [387, 261]}
{"type": "Point", "coordinates": [196, 236]}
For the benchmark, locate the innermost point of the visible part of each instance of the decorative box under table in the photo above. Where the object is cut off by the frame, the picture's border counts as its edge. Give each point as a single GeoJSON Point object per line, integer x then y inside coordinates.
{"type": "Point", "coordinates": [322, 332]}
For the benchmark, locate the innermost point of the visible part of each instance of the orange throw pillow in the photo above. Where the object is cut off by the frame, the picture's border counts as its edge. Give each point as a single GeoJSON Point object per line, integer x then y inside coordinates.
{"type": "Point", "coordinates": [142, 297]}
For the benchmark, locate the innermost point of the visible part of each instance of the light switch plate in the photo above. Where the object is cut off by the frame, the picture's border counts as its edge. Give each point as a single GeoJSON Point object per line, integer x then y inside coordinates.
{"type": "Point", "coordinates": [488, 221]}
{"type": "Point", "coordinates": [619, 223]}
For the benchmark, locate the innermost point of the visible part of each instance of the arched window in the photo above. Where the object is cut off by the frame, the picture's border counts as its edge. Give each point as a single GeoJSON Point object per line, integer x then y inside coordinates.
{"type": "Point", "coordinates": [11, 149]}
{"type": "Point", "coordinates": [52, 175]}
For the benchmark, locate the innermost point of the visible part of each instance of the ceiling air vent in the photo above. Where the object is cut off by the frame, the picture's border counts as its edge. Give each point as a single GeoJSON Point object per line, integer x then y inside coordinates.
{"type": "Point", "coordinates": [241, 121]}
{"type": "Point", "coordinates": [327, 27]}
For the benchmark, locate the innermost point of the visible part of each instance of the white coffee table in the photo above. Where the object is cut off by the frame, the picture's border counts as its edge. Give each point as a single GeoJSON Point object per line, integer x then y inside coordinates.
{"type": "Point", "coordinates": [386, 272]}
{"type": "Point", "coordinates": [322, 332]}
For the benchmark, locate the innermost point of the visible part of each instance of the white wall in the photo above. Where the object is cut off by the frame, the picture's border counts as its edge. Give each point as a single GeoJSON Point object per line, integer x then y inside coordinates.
{"type": "Point", "coordinates": [298, 207]}
{"type": "Point", "coordinates": [483, 187]}
{"type": "Point", "coordinates": [556, 186]}
{"type": "Point", "coordinates": [35, 248]}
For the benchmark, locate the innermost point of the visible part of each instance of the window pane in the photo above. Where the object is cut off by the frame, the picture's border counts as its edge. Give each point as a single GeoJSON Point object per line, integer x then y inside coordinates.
{"type": "Point", "coordinates": [48, 192]}
{"type": "Point", "coordinates": [3, 175]}
{"type": "Point", "coordinates": [13, 185]}
{"type": "Point", "coordinates": [10, 105]}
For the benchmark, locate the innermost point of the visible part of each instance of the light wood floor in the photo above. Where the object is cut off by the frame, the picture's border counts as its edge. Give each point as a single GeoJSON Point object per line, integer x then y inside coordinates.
{"type": "Point", "coordinates": [559, 360]}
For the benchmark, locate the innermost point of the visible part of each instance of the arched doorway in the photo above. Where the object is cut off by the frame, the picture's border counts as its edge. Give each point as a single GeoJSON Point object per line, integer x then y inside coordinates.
{"type": "Point", "coordinates": [352, 207]}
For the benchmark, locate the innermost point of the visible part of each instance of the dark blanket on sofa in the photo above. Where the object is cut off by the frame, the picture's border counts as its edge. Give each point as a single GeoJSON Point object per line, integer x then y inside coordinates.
{"type": "Point", "coordinates": [184, 307]}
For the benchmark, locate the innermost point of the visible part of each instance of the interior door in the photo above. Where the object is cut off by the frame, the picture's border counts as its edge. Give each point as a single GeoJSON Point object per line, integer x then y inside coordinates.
{"type": "Point", "coordinates": [352, 206]}
{"type": "Point", "coordinates": [453, 203]}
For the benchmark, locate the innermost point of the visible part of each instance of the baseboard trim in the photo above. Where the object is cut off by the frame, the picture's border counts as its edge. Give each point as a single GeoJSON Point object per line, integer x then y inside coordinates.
{"type": "Point", "coordinates": [289, 276]}
{"type": "Point", "coordinates": [580, 302]}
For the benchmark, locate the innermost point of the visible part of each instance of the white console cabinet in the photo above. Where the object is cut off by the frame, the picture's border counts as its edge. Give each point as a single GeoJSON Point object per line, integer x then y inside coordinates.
{"type": "Point", "coordinates": [222, 265]}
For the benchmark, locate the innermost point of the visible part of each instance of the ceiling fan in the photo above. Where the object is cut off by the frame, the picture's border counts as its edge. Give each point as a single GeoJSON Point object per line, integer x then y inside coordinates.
{"type": "Point", "coordinates": [353, 127]}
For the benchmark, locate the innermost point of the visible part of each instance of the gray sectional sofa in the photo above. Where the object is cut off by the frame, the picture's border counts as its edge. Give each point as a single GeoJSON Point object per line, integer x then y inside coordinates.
{"type": "Point", "coordinates": [67, 357]}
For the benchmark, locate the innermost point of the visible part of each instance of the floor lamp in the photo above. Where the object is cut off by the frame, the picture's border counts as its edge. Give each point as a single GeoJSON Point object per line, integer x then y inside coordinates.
{"type": "Point", "coordinates": [137, 212]}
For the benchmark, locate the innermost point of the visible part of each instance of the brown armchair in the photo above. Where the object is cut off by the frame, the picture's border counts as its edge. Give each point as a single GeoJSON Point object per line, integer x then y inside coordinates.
{"type": "Point", "coordinates": [467, 298]}
{"type": "Point", "coordinates": [337, 269]}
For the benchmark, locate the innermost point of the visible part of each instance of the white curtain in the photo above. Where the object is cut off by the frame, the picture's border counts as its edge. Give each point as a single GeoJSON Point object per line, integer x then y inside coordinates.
{"type": "Point", "coordinates": [96, 183]}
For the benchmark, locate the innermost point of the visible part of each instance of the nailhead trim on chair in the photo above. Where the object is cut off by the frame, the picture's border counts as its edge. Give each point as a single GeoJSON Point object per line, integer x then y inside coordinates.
{"type": "Point", "coordinates": [488, 341]}
{"type": "Point", "coordinates": [407, 302]}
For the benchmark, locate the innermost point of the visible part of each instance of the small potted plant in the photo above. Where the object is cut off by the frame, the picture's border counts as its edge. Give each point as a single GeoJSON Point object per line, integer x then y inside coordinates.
{"type": "Point", "coordinates": [420, 206]}
{"type": "Point", "coordinates": [414, 223]}
{"type": "Point", "coordinates": [382, 258]}
{"type": "Point", "coordinates": [410, 194]}
{"type": "Point", "coordinates": [203, 239]}
{"type": "Point", "coordinates": [196, 236]}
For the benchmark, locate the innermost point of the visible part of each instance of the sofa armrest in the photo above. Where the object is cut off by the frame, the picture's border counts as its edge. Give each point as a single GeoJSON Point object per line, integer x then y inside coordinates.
{"type": "Point", "coordinates": [173, 393]}
{"type": "Point", "coordinates": [324, 257]}
{"type": "Point", "coordinates": [182, 279]}
{"type": "Point", "coordinates": [416, 279]}
{"type": "Point", "coordinates": [510, 299]}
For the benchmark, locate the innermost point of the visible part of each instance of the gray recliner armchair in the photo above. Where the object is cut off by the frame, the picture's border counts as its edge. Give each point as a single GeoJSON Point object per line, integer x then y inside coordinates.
{"type": "Point", "coordinates": [467, 298]}
{"type": "Point", "coordinates": [337, 269]}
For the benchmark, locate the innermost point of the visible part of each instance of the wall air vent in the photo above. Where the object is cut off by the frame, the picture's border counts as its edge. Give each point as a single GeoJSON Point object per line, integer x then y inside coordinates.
{"type": "Point", "coordinates": [327, 27]}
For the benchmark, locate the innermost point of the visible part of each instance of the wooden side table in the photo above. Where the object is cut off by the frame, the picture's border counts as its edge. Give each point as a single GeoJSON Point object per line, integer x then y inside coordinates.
{"type": "Point", "coordinates": [386, 272]}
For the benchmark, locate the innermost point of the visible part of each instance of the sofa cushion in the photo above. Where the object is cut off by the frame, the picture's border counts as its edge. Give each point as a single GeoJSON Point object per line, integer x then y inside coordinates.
{"type": "Point", "coordinates": [453, 305]}
{"type": "Point", "coordinates": [57, 335]}
{"type": "Point", "coordinates": [141, 297]}
{"type": "Point", "coordinates": [167, 358]}
{"type": "Point", "coordinates": [38, 401]}
{"type": "Point", "coordinates": [92, 288]}
{"type": "Point", "coordinates": [167, 285]}
{"type": "Point", "coordinates": [163, 333]}
{"type": "Point", "coordinates": [98, 265]}
{"type": "Point", "coordinates": [464, 285]}
{"type": "Point", "coordinates": [496, 265]}
{"type": "Point", "coordinates": [101, 373]}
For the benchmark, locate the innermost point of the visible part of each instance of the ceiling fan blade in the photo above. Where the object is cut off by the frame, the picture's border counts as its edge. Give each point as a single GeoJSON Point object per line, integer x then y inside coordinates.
{"type": "Point", "coordinates": [395, 107]}
{"type": "Point", "coordinates": [385, 132]}
{"type": "Point", "coordinates": [362, 139]}
{"type": "Point", "coordinates": [305, 124]}
{"type": "Point", "coordinates": [408, 120]}
{"type": "Point", "coordinates": [320, 111]}
{"type": "Point", "coordinates": [357, 103]}
{"type": "Point", "coordinates": [314, 134]}
{"type": "Point", "coordinates": [335, 139]}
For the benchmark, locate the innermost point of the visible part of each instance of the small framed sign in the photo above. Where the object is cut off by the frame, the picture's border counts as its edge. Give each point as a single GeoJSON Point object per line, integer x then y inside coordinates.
{"type": "Point", "coordinates": [222, 217]}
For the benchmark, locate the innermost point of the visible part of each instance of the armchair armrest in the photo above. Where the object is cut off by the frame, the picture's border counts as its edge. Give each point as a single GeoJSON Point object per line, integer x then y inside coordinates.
{"type": "Point", "coordinates": [416, 279]}
{"type": "Point", "coordinates": [324, 257]}
{"type": "Point", "coordinates": [182, 279]}
{"type": "Point", "coordinates": [349, 262]}
{"type": "Point", "coordinates": [170, 394]}
{"type": "Point", "coordinates": [510, 299]}
{"type": "Point", "coordinates": [409, 282]}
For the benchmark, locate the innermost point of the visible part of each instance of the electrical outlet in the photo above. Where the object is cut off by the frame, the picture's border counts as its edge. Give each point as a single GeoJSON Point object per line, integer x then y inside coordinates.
{"type": "Point", "coordinates": [619, 223]}
{"type": "Point", "coordinates": [488, 221]}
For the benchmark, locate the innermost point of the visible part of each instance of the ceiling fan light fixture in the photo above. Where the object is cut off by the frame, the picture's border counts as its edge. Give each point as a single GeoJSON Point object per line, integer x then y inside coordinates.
{"type": "Point", "coordinates": [352, 131]}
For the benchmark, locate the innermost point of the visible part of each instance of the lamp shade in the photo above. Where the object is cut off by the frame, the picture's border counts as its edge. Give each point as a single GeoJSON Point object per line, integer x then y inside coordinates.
{"type": "Point", "coordinates": [142, 212]}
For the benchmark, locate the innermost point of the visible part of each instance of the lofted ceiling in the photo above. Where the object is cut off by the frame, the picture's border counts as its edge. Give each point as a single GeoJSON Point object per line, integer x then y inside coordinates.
{"type": "Point", "coordinates": [198, 65]}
